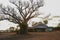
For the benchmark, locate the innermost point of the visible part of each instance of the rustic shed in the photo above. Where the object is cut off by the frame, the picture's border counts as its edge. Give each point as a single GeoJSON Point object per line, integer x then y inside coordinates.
{"type": "Point", "coordinates": [40, 28]}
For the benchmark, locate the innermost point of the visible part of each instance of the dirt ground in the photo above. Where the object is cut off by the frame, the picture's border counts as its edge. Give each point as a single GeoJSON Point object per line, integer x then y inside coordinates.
{"type": "Point", "coordinates": [31, 36]}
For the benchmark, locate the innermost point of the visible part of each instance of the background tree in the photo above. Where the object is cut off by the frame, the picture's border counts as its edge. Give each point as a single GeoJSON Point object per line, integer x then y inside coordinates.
{"type": "Point", "coordinates": [11, 29]}
{"type": "Point", "coordinates": [45, 21]}
{"type": "Point", "coordinates": [58, 27]}
{"type": "Point", "coordinates": [36, 23]}
{"type": "Point", "coordinates": [26, 11]}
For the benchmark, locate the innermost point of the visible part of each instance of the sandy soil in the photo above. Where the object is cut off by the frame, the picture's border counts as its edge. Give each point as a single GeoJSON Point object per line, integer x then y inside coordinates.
{"type": "Point", "coordinates": [32, 36]}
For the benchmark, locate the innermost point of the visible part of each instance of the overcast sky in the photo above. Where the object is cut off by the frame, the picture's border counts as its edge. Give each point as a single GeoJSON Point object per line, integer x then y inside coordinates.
{"type": "Point", "coordinates": [50, 6]}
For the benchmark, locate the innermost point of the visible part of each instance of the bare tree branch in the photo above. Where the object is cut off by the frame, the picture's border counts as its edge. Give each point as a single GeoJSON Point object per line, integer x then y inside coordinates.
{"type": "Point", "coordinates": [25, 9]}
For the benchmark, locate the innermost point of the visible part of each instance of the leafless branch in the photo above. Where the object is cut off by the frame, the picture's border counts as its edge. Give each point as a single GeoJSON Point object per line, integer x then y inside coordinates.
{"type": "Point", "coordinates": [32, 7]}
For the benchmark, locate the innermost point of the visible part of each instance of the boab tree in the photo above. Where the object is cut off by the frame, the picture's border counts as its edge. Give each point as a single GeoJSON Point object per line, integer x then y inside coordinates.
{"type": "Point", "coordinates": [26, 10]}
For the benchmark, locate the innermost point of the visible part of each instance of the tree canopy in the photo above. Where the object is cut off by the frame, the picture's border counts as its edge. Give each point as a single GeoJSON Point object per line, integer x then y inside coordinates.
{"type": "Point", "coordinates": [25, 10]}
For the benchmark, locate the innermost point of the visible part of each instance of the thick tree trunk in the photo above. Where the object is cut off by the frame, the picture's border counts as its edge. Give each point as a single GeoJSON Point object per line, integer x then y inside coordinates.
{"type": "Point", "coordinates": [23, 29]}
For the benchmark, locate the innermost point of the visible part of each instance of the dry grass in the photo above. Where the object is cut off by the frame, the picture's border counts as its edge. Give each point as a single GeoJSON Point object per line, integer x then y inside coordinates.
{"type": "Point", "coordinates": [32, 36]}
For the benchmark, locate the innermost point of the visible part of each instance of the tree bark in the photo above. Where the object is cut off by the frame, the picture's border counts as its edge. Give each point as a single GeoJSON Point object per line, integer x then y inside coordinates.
{"type": "Point", "coordinates": [23, 29]}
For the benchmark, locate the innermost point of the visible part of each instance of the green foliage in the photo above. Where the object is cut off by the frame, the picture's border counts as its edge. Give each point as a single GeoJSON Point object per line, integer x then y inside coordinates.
{"type": "Point", "coordinates": [58, 25]}
{"type": "Point", "coordinates": [37, 23]}
{"type": "Point", "coordinates": [34, 23]}
{"type": "Point", "coordinates": [11, 29]}
{"type": "Point", "coordinates": [45, 21]}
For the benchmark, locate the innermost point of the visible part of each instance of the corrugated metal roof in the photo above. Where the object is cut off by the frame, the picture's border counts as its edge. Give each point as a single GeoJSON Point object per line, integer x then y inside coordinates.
{"type": "Point", "coordinates": [41, 26]}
